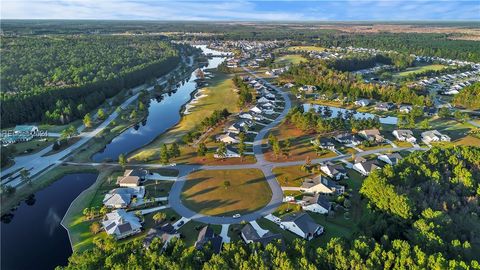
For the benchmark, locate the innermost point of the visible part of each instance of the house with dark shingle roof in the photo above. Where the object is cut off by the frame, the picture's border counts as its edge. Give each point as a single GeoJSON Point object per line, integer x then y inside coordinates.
{"type": "Point", "coordinates": [366, 167]}
{"type": "Point", "coordinates": [302, 225]}
{"type": "Point", "coordinates": [335, 171]}
{"type": "Point", "coordinates": [208, 236]}
{"type": "Point", "coordinates": [165, 232]}
{"type": "Point", "coordinates": [250, 235]}
{"type": "Point", "coordinates": [317, 204]}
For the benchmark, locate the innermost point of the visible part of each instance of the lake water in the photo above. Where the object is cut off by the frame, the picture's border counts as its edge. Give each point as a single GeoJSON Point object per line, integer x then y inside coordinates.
{"type": "Point", "coordinates": [162, 115]}
{"type": "Point", "coordinates": [390, 120]}
{"type": "Point", "coordinates": [34, 238]}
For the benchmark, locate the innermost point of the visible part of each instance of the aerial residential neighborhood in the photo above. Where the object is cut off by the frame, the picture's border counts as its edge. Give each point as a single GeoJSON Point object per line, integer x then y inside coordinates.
{"type": "Point", "coordinates": [240, 135]}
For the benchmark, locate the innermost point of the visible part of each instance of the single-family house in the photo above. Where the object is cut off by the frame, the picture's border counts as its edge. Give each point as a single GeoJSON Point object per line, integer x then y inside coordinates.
{"type": "Point", "coordinates": [325, 143]}
{"type": "Point", "coordinates": [307, 88]}
{"type": "Point", "coordinates": [434, 136]}
{"type": "Point", "coordinates": [250, 235]}
{"type": "Point", "coordinates": [362, 102]}
{"type": "Point", "coordinates": [263, 100]}
{"type": "Point", "coordinates": [391, 159]}
{"type": "Point", "coordinates": [405, 109]}
{"type": "Point", "coordinates": [121, 197]}
{"type": "Point", "coordinates": [404, 135]}
{"type": "Point", "coordinates": [347, 138]}
{"type": "Point", "coordinates": [372, 135]}
{"type": "Point", "coordinates": [322, 185]}
{"type": "Point", "coordinates": [288, 85]}
{"type": "Point", "coordinates": [302, 225]}
{"type": "Point", "coordinates": [121, 223]}
{"type": "Point", "coordinates": [317, 203]}
{"type": "Point", "coordinates": [366, 167]}
{"type": "Point", "coordinates": [384, 106]}
{"type": "Point", "coordinates": [227, 138]}
{"type": "Point", "coordinates": [165, 233]}
{"type": "Point", "coordinates": [335, 171]}
{"type": "Point", "coordinates": [128, 180]}
{"type": "Point", "coordinates": [206, 236]}
{"type": "Point", "coordinates": [256, 110]}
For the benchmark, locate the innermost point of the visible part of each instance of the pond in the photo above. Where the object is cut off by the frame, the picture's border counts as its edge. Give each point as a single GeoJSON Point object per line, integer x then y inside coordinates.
{"type": "Point", "coordinates": [162, 115]}
{"type": "Point", "coordinates": [32, 236]}
{"type": "Point", "coordinates": [389, 120]}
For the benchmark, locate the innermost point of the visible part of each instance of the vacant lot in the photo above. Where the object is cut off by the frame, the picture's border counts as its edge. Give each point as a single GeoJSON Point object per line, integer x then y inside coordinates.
{"type": "Point", "coordinates": [291, 176]}
{"type": "Point", "coordinates": [290, 59]}
{"type": "Point", "coordinates": [306, 48]}
{"type": "Point", "coordinates": [300, 149]}
{"type": "Point", "coordinates": [206, 192]}
{"type": "Point", "coordinates": [420, 69]}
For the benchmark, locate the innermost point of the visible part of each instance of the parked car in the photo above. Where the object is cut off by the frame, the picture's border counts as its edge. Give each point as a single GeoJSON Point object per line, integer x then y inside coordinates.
{"type": "Point", "coordinates": [236, 216]}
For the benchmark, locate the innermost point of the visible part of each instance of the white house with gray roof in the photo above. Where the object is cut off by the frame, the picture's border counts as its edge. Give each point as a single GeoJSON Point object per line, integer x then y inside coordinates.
{"type": "Point", "coordinates": [121, 224]}
{"type": "Point", "coordinates": [302, 225]}
{"type": "Point", "coordinates": [317, 204]}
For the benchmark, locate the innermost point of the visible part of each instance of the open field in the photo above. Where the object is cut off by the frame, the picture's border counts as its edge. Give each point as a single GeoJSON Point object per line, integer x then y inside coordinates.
{"type": "Point", "coordinates": [420, 69]}
{"type": "Point", "coordinates": [220, 94]}
{"type": "Point", "coordinates": [306, 48]}
{"type": "Point", "coordinates": [300, 149]}
{"type": "Point", "coordinates": [291, 176]}
{"type": "Point", "coordinates": [204, 192]}
{"type": "Point", "coordinates": [290, 59]}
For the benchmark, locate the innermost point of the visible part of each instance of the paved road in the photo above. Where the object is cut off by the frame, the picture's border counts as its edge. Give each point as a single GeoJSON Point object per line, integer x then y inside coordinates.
{"type": "Point", "coordinates": [38, 164]}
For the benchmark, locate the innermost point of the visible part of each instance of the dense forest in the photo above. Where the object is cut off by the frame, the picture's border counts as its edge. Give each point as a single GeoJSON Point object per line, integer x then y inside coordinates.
{"type": "Point", "coordinates": [419, 219]}
{"type": "Point", "coordinates": [345, 84]}
{"type": "Point", "coordinates": [357, 61]}
{"type": "Point", "coordinates": [442, 45]}
{"type": "Point", "coordinates": [469, 97]}
{"type": "Point", "coordinates": [430, 199]}
{"type": "Point", "coordinates": [58, 79]}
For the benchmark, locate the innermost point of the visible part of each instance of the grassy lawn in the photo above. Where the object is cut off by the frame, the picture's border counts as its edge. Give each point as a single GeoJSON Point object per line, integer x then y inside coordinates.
{"type": "Point", "coordinates": [378, 146]}
{"type": "Point", "coordinates": [301, 147]}
{"type": "Point", "coordinates": [415, 70]}
{"type": "Point", "coordinates": [291, 176]}
{"type": "Point", "coordinates": [156, 189]}
{"type": "Point", "coordinates": [220, 94]}
{"type": "Point", "coordinates": [306, 48]}
{"type": "Point", "coordinates": [59, 128]}
{"type": "Point", "coordinates": [204, 192]}
{"type": "Point", "coordinates": [31, 147]}
{"type": "Point", "coordinates": [290, 59]}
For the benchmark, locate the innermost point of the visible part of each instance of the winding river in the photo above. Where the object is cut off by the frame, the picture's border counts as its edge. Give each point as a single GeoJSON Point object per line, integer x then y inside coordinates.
{"type": "Point", "coordinates": [162, 115]}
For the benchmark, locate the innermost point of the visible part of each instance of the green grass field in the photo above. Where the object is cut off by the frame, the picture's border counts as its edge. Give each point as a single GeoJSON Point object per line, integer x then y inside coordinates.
{"type": "Point", "coordinates": [306, 48]}
{"type": "Point", "coordinates": [420, 69]}
{"type": "Point", "coordinates": [204, 192]}
{"type": "Point", "coordinates": [290, 59]}
{"type": "Point", "coordinates": [221, 95]}
{"type": "Point", "coordinates": [31, 147]}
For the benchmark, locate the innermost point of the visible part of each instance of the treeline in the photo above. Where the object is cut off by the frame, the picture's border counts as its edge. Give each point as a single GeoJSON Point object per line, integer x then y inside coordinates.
{"type": "Point", "coordinates": [80, 72]}
{"type": "Point", "coordinates": [244, 91]}
{"type": "Point", "coordinates": [469, 97]}
{"type": "Point", "coordinates": [344, 84]}
{"type": "Point", "coordinates": [353, 62]}
{"type": "Point", "coordinates": [216, 117]}
{"type": "Point", "coordinates": [321, 121]}
{"type": "Point", "coordinates": [430, 199]}
{"type": "Point", "coordinates": [362, 253]}
{"type": "Point", "coordinates": [420, 44]}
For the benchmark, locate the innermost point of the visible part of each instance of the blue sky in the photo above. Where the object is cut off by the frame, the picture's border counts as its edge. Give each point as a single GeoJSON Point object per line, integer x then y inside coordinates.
{"type": "Point", "coordinates": [320, 10]}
